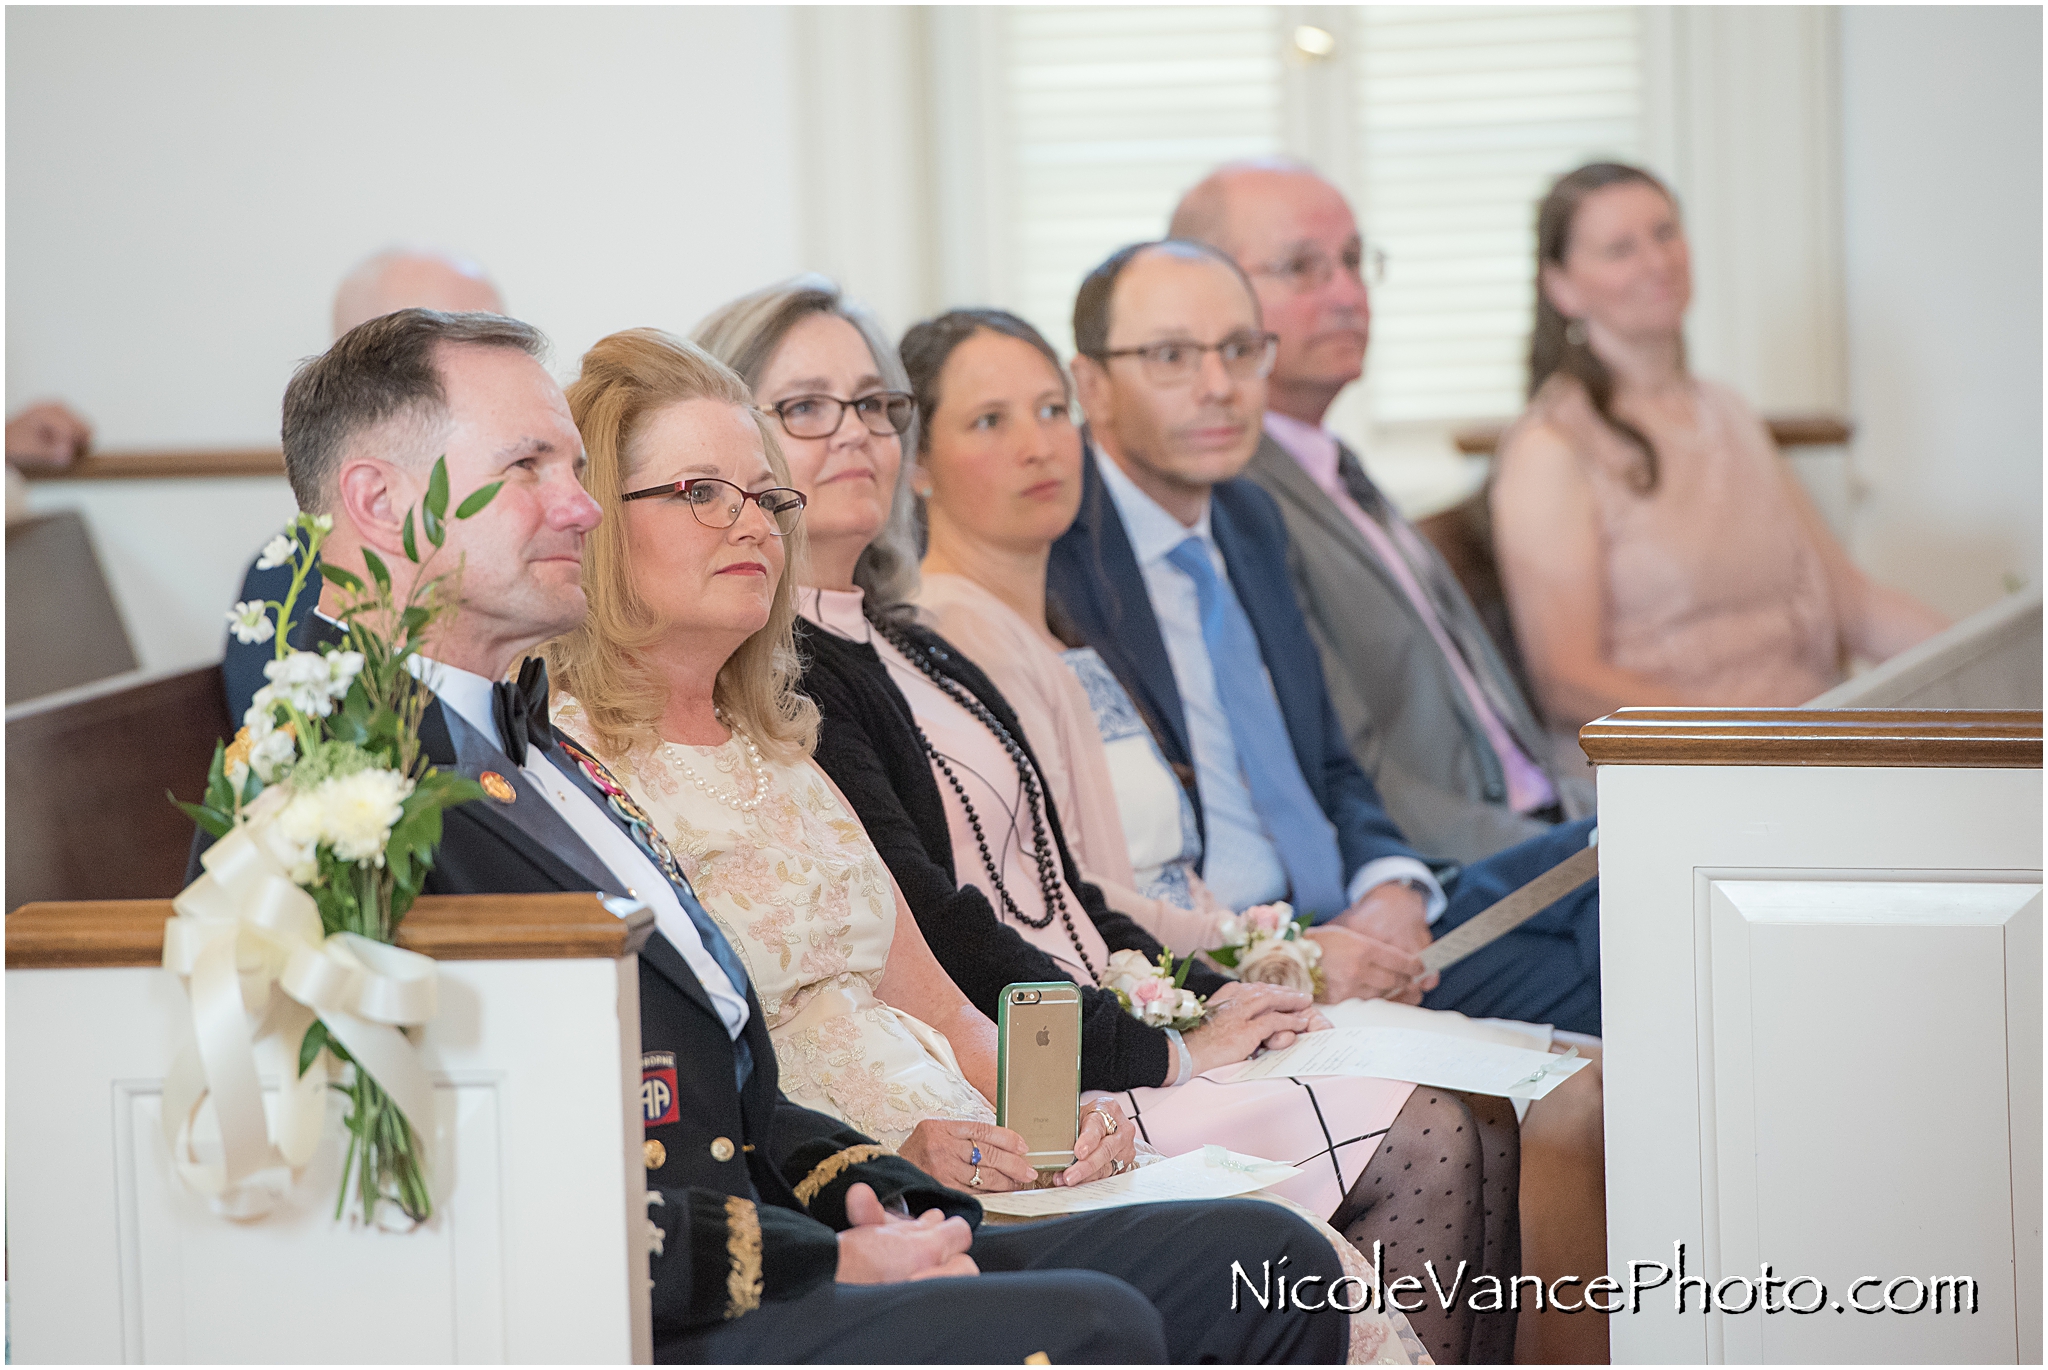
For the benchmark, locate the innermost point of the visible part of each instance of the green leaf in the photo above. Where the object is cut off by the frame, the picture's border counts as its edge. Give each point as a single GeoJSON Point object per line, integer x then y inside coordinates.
{"type": "Point", "coordinates": [478, 498]}
{"type": "Point", "coordinates": [377, 571]}
{"type": "Point", "coordinates": [436, 505]}
{"type": "Point", "coordinates": [213, 821]}
{"type": "Point", "coordinates": [347, 580]}
{"type": "Point", "coordinates": [431, 525]}
{"type": "Point", "coordinates": [309, 1047]}
{"type": "Point", "coordinates": [252, 785]}
{"type": "Point", "coordinates": [1180, 981]}
{"type": "Point", "coordinates": [415, 618]}
{"type": "Point", "coordinates": [412, 550]}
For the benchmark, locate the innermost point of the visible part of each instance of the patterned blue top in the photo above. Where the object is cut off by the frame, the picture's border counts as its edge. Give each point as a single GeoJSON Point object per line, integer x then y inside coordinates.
{"type": "Point", "coordinates": [1117, 718]}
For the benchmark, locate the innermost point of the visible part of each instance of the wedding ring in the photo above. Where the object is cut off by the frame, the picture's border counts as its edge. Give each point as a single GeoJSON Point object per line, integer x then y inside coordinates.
{"type": "Point", "coordinates": [1116, 1167]}
{"type": "Point", "coordinates": [1109, 1123]}
{"type": "Point", "coordinates": [974, 1180]}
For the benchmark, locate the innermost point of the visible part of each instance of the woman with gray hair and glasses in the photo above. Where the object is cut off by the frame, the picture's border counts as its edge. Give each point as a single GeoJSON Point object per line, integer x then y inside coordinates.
{"type": "Point", "coordinates": [936, 765]}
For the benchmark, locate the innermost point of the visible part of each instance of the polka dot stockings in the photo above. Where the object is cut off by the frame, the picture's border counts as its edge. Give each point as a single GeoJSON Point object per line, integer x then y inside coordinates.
{"type": "Point", "coordinates": [1444, 1186]}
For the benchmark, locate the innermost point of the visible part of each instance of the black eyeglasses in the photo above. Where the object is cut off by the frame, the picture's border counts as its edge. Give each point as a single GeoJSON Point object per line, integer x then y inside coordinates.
{"type": "Point", "coordinates": [717, 503]}
{"type": "Point", "coordinates": [819, 416]}
{"type": "Point", "coordinates": [1247, 356]}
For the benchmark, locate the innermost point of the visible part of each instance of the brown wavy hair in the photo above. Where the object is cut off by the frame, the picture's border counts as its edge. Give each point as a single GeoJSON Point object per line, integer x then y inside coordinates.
{"type": "Point", "coordinates": [1551, 348]}
{"type": "Point", "coordinates": [627, 378]}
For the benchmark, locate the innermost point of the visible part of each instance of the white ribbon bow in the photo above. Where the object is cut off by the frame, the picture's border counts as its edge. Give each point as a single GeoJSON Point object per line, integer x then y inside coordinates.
{"type": "Point", "coordinates": [242, 928]}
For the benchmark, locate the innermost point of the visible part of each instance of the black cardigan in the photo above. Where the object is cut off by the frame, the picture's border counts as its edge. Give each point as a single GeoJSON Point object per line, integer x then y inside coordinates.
{"type": "Point", "coordinates": [868, 745]}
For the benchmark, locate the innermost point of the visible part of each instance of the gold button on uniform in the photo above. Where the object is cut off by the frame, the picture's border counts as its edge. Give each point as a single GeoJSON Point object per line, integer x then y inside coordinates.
{"type": "Point", "coordinates": [721, 1148]}
{"type": "Point", "coordinates": [497, 787]}
{"type": "Point", "coordinates": [656, 1153]}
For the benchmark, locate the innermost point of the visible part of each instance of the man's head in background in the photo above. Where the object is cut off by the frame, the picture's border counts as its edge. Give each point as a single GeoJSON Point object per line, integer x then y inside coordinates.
{"type": "Point", "coordinates": [1170, 365]}
{"type": "Point", "coordinates": [413, 278]}
{"type": "Point", "coordinates": [364, 423]}
{"type": "Point", "coordinates": [1295, 237]}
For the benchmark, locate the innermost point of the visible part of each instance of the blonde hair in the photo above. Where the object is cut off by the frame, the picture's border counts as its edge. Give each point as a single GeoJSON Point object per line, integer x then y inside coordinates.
{"type": "Point", "coordinates": [626, 379]}
{"type": "Point", "coordinates": [745, 335]}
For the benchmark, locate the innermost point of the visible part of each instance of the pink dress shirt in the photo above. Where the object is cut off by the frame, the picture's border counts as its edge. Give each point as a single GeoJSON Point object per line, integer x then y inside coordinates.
{"type": "Point", "coordinates": [1315, 449]}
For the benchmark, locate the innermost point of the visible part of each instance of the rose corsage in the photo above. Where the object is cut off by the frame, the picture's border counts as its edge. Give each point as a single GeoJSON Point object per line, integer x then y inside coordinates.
{"type": "Point", "coordinates": [1152, 993]}
{"type": "Point", "coordinates": [1269, 944]}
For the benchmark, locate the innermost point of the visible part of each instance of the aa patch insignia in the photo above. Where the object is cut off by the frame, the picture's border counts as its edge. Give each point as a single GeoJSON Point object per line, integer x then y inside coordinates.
{"type": "Point", "coordinates": [658, 1088]}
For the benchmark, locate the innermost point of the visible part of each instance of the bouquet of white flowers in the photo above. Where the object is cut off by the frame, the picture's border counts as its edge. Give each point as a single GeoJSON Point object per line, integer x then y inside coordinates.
{"type": "Point", "coordinates": [1268, 944]}
{"type": "Point", "coordinates": [1153, 993]}
{"type": "Point", "coordinates": [325, 787]}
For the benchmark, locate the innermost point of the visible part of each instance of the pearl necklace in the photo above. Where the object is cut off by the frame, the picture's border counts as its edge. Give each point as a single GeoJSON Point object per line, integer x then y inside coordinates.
{"type": "Point", "coordinates": [733, 798]}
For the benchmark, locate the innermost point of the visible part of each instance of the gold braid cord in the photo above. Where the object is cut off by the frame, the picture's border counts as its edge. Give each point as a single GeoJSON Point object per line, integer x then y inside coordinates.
{"type": "Point", "coordinates": [743, 1245]}
{"type": "Point", "coordinates": [832, 1166]}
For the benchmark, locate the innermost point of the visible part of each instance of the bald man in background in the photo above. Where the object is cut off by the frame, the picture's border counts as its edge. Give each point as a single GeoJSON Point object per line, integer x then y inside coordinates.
{"type": "Point", "coordinates": [1428, 707]}
{"type": "Point", "coordinates": [384, 283]}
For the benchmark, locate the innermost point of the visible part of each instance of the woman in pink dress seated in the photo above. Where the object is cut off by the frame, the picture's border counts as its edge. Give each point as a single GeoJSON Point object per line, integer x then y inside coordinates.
{"type": "Point", "coordinates": [1653, 546]}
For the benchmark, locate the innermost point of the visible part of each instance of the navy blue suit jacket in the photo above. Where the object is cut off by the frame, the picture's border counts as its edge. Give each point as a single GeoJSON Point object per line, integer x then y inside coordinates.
{"type": "Point", "coordinates": [1094, 579]}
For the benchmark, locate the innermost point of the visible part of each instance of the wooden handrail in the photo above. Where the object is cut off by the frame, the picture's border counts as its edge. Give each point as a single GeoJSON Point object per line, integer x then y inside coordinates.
{"type": "Point", "coordinates": [1991, 738]}
{"type": "Point", "coordinates": [460, 927]}
{"type": "Point", "coordinates": [260, 461]}
{"type": "Point", "coordinates": [1787, 430]}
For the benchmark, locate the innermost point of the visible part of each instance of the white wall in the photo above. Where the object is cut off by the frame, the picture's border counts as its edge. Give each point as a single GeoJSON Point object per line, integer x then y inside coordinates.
{"type": "Point", "coordinates": [185, 187]}
{"type": "Point", "coordinates": [1941, 214]}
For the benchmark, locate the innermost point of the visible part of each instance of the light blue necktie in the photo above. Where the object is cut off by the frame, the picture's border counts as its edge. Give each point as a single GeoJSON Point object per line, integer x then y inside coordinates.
{"type": "Point", "coordinates": [1293, 820]}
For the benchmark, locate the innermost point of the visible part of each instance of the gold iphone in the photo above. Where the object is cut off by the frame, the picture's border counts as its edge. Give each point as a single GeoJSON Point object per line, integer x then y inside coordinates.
{"type": "Point", "coordinates": [1038, 1069]}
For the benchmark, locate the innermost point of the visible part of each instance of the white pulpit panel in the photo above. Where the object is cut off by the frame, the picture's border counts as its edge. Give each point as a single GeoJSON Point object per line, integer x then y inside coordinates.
{"type": "Point", "coordinates": [1864, 1098]}
{"type": "Point", "coordinates": [537, 1250]}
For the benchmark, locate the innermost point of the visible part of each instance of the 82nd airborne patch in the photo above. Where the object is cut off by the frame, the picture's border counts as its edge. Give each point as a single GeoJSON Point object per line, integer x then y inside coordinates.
{"type": "Point", "coordinates": [658, 1088]}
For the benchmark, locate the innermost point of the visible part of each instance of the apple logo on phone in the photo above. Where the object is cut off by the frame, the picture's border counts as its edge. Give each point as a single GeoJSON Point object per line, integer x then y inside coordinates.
{"type": "Point", "coordinates": [1045, 1037]}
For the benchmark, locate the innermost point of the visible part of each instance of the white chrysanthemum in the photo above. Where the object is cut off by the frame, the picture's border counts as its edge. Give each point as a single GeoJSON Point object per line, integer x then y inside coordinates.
{"type": "Point", "coordinates": [250, 622]}
{"type": "Point", "coordinates": [276, 553]}
{"type": "Point", "coordinates": [303, 680]}
{"type": "Point", "coordinates": [298, 824]}
{"type": "Point", "coordinates": [357, 812]}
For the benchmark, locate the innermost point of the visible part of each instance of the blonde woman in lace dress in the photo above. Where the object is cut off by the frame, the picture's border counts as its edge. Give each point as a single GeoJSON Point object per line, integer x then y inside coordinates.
{"type": "Point", "coordinates": [680, 680]}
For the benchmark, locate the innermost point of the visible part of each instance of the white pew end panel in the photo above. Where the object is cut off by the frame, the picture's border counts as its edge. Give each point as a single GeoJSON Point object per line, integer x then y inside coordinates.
{"type": "Point", "coordinates": [537, 1250]}
{"type": "Point", "coordinates": [1821, 984]}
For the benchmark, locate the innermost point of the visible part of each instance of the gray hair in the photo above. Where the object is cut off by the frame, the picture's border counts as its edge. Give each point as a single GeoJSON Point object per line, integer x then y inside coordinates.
{"type": "Point", "coordinates": [745, 334]}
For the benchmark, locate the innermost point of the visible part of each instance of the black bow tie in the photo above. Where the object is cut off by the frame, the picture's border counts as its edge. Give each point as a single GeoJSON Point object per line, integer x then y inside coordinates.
{"type": "Point", "coordinates": [520, 709]}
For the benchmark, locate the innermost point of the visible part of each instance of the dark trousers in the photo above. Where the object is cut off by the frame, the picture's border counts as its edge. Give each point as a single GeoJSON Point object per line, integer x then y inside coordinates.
{"type": "Point", "coordinates": [1545, 971]}
{"type": "Point", "coordinates": [1146, 1284]}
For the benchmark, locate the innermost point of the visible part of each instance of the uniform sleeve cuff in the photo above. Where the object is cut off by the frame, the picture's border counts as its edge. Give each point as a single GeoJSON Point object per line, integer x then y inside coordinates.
{"type": "Point", "coordinates": [1388, 869]}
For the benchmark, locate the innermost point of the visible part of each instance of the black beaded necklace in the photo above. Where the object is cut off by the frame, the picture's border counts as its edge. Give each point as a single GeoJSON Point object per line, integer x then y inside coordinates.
{"type": "Point", "coordinates": [1049, 883]}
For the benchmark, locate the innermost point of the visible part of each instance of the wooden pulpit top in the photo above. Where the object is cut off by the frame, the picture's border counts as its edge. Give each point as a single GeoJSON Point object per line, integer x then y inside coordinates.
{"type": "Point", "coordinates": [447, 927]}
{"type": "Point", "coordinates": [2007, 739]}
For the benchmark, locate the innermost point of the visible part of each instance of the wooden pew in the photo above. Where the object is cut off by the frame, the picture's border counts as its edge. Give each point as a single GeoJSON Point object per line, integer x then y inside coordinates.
{"type": "Point", "coordinates": [87, 771]}
{"type": "Point", "coordinates": [62, 627]}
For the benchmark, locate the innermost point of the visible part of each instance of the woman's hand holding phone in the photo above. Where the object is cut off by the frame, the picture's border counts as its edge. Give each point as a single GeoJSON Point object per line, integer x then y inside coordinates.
{"type": "Point", "coordinates": [1107, 1137]}
{"type": "Point", "coordinates": [944, 1148]}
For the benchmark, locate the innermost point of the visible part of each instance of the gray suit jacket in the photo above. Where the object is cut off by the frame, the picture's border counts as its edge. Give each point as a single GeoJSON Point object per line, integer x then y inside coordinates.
{"type": "Point", "coordinates": [1409, 723]}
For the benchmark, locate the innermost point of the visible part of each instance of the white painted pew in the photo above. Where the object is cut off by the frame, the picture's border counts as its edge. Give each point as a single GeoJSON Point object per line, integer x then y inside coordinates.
{"type": "Point", "coordinates": [538, 1250]}
{"type": "Point", "coordinates": [1821, 975]}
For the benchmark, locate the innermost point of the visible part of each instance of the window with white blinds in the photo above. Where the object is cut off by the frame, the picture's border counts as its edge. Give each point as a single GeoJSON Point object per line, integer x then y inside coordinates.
{"type": "Point", "coordinates": [1464, 117]}
{"type": "Point", "coordinates": [1112, 112]}
{"type": "Point", "coordinates": [1457, 119]}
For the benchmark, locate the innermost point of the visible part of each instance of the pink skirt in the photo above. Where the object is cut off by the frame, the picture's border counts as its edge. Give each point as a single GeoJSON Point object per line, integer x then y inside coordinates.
{"type": "Point", "coordinates": [1327, 1127]}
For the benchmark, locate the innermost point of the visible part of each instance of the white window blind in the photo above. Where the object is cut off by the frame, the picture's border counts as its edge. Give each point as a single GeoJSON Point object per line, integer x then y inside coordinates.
{"type": "Point", "coordinates": [1464, 117]}
{"type": "Point", "coordinates": [1458, 119]}
{"type": "Point", "coordinates": [1112, 112]}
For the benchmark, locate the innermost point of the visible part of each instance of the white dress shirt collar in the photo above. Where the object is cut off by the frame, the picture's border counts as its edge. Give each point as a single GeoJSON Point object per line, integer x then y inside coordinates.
{"type": "Point", "coordinates": [1153, 532]}
{"type": "Point", "coordinates": [466, 692]}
